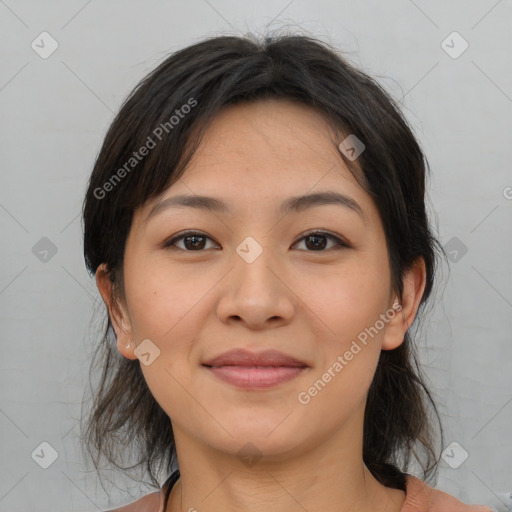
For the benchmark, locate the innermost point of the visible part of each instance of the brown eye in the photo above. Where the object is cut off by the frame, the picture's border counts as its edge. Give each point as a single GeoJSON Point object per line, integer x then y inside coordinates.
{"type": "Point", "coordinates": [318, 240]}
{"type": "Point", "coordinates": [192, 241]}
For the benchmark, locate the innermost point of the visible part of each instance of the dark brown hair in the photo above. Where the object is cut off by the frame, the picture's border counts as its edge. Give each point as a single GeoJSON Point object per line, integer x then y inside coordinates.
{"type": "Point", "coordinates": [171, 108]}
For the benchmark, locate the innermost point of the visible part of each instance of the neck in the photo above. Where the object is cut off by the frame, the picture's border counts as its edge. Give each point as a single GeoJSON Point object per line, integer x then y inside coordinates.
{"type": "Point", "coordinates": [329, 477]}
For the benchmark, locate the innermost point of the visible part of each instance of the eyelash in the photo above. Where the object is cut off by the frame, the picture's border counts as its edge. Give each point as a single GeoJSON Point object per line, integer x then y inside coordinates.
{"type": "Point", "coordinates": [339, 243]}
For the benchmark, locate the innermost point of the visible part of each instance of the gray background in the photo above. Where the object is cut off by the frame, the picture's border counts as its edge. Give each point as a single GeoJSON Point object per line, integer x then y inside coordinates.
{"type": "Point", "coordinates": [55, 112]}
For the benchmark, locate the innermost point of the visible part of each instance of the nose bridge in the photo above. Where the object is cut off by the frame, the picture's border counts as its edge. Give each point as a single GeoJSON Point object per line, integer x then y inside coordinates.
{"type": "Point", "coordinates": [255, 292]}
{"type": "Point", "coordinates": [253, 266]}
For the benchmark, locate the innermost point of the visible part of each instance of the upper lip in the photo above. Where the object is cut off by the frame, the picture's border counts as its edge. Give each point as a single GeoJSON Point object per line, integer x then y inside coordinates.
{"type": "Point", "coordinates": [242, 357]}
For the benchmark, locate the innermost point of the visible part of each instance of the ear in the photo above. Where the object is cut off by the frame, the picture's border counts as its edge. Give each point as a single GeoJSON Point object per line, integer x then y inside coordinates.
{"type": "Point", "coordinates": [414, 282]}
{"type": "Point", "coordinates": [117, 313]}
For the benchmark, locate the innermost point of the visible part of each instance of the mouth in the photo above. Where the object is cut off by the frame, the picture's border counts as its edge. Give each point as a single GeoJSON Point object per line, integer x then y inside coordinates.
{"type": "Point", "coordinates": [242, 357]}
{"type": "Point", "coordinates": [256, 377]}
{"type": "Point", "coordinates": [248, 370]}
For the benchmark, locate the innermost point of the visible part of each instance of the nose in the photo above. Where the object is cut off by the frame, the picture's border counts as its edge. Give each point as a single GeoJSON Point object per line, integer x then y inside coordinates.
{"type": "Point", "coordinates": [256, 293]}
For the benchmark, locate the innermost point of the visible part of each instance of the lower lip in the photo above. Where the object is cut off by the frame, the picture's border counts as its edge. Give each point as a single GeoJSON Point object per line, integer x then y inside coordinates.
{"type": "Point", "coordinates": [252, 377]}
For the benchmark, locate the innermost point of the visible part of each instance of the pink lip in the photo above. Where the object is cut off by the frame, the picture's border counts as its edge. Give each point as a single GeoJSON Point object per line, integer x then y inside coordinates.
{"type": "Point", "coordinates": [242, 357]}
{"type": "Point", "coordinates": [248, 370]}
{"type": "Point", "coordinates": [256, 377]}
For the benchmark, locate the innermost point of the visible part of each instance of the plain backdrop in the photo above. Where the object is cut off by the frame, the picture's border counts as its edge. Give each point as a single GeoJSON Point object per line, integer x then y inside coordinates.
{"type": "Point", "coordinates": [55, 110]}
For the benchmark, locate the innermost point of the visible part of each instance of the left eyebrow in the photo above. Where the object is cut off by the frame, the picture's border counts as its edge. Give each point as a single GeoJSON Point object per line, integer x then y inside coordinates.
{"type": "Point", "coordinates": [292, 204]}
{"type": "Point", "coordinates": [300, 203]}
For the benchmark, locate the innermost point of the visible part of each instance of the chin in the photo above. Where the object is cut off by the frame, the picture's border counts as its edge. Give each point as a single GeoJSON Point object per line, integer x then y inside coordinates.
{"type": "Point", "coordinates": [266, 436]}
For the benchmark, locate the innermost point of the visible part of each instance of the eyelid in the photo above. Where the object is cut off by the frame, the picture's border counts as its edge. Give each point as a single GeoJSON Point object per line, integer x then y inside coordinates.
{"type": "Point", "coordinates": [338, 240]}
{"type": "Point", "coordinates": [182, 234]}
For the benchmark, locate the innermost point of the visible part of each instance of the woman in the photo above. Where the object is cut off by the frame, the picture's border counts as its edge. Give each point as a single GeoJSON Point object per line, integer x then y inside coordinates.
{"type": "Point", "coordinates": [256, 223]}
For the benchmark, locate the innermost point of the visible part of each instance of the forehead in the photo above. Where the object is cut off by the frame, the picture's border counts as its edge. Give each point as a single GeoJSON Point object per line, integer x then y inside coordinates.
{"type": "Point", "coordinates": [272, 142]}
{"type": "Point", "coordinates": [256, 157]}
{"type": "Point", "coordinates": [279, 127]}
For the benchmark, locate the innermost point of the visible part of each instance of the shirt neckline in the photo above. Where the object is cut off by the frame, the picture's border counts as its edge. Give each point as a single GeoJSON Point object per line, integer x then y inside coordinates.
{"type": "Point", "coordinates": [167, 488]}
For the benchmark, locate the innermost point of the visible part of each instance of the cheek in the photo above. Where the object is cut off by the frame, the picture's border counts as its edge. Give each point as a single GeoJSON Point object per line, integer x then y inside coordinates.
{"type": "Point", "coordinates": [348, 304]}
{"type": "Point", "coordinates": [161, 296]}
{"type": "Point", "coordinates": [165, 304]}
{"type": "Point", "coordinates": [164, 307]}
{"type": "Point", "coordinates": [348, 299]}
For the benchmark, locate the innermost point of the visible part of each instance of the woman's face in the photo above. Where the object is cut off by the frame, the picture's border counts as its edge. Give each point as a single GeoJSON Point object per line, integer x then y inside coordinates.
{"type": "Point", "coordinates": [251, 279]}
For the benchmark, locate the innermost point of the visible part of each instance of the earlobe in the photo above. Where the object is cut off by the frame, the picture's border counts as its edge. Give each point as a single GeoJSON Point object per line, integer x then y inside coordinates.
{"type": "Point", "coordinates": [414, 282]}
{"type": "Point", "coordinates": [118, 317]}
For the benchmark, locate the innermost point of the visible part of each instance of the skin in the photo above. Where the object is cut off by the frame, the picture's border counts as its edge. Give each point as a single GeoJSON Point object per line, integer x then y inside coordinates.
{"type": "Point", "coordinates": [309, 303]}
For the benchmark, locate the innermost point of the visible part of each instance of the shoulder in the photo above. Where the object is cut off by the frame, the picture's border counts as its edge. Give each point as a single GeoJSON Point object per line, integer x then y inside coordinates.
{"type": "Point", "coordinates": [420, 497]}
{"type": "Point", "coordinates": [148, 503]}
